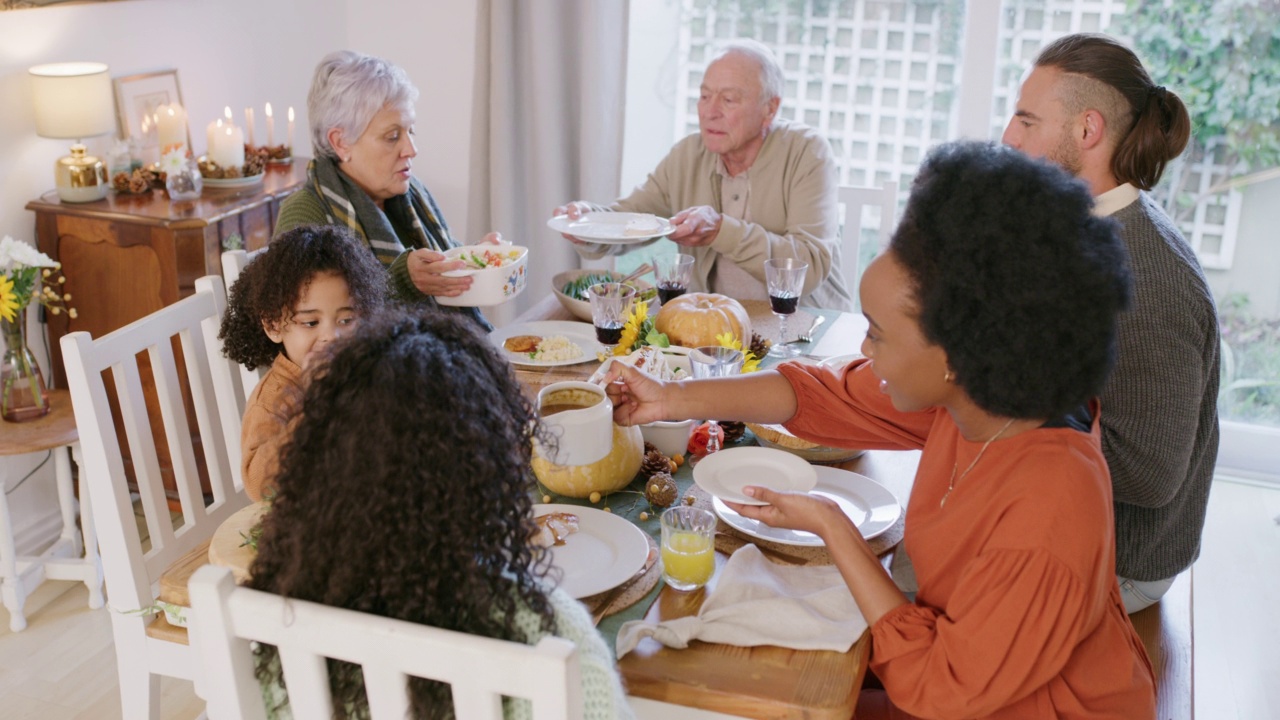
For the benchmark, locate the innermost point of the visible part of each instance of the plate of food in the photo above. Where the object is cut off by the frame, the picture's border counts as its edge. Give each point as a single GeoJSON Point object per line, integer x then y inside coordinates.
{"type": "Point", "coordinates": [571, 286]}
{"type": "Point", "coordinates": [613, 228]}
{"type": "Point", "coordinates": [594, 550]}
{"type": "Point", "coordinates": [548, 343]}
{"type": "Point", "coordinates": [726, 473]}
{"type": "Point", "coordinates": [870, 505]}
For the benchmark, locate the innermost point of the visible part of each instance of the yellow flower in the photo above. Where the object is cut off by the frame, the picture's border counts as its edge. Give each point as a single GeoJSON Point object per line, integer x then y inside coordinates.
{"type": "Point", "coordinates": [631, 330]}
{"type": "Point", "coordinates": [8, 299]}
{"type": "Point", "coordinates": [750, 363]}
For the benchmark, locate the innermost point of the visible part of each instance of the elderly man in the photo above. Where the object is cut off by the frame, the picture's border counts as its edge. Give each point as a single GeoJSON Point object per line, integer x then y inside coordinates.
{"type": "Point", "coordinates": [747, 187]}
{"type": "Point", "coordinates": [1090, 106]}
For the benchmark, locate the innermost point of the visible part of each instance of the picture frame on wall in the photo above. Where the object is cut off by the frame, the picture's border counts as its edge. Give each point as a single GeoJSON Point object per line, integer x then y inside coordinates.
{"type": "Point", "coordinates": [137, 97]}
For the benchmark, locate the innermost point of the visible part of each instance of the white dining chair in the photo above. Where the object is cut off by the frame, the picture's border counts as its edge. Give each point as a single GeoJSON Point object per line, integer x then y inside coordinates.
{"type": "Point", "coordinates": [147, 646]}
{"type": "Point", "coordinates": [480, 670]}
{"type": "Point", "coordinates": [233, 263]}
{"type": "Point", "coordinates": [854, 200]}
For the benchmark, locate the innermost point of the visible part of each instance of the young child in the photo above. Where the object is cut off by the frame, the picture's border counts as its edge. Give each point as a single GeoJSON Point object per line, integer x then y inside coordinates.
{"type": "Point", "coordinates": [432, 525]}
{"type": "Point", "coordinates": [311, 286]}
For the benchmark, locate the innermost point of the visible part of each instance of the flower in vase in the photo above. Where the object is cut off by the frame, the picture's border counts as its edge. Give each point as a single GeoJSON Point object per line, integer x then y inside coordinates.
{"type": "Point", "coordinates": [174, 160]}
{"type": "Point", "coordinates": [25, 275]}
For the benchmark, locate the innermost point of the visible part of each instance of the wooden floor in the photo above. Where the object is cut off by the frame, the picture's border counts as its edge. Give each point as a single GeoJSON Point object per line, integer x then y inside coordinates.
{"type": "Point", "coordinates": [62, 667]}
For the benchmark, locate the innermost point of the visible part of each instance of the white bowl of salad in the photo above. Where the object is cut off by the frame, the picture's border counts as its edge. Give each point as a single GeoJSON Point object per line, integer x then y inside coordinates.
{"type": "Point", "coordinates": [498, 274]}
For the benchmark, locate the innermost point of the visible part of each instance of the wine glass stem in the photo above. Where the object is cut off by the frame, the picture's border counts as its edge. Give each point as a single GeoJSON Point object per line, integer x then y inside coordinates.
{"type": "Point", "coordinates": [713, 436]}
{"type": "Point", "coordinates": [782, 328]}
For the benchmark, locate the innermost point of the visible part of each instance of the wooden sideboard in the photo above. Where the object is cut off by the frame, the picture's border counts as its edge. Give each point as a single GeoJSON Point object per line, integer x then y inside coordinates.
{"type": "Point", "coordinates": [129, 255]}
{"type": "Point", "coordinates": [126, 256]}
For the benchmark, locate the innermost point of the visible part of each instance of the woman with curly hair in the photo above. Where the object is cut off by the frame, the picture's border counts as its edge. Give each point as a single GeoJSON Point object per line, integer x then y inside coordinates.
{"type": "Point", "coordinates": [431, 528]}
{"type": "Point", "coordinates": [992, 329]}
{"type": "Point", "coordinates": [311, 285]}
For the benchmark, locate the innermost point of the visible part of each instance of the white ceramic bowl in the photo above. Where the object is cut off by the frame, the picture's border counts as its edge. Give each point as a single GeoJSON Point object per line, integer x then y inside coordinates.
{"type": "Point", "coordinates": [670, 437]}
{"type": "Point", "coordinates": [581, 309]}
{"type": "Point", "coordinates": [490, 286]}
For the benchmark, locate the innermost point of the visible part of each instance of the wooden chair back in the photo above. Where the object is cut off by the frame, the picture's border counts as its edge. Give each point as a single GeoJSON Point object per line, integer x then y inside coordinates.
{"type": "Point", "coordinates": [853, 200]}
{"type": "Point", "coordinates": [132, 568]}
{"type": "Point", "coordinates": [233, 263]}
{"type": "Point", "coordinates": [480, 670]}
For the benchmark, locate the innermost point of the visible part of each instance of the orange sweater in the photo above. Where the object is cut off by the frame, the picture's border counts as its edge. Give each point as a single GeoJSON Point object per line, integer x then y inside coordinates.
{"type": "Point", "coordinates": [268, 423]}
{"type": "Point", "coordinates": [1018, 613]}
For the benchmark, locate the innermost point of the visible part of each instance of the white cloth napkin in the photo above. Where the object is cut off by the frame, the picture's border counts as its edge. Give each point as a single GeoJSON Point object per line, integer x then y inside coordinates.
{"type": "Point", "coordinates": [757, 602]}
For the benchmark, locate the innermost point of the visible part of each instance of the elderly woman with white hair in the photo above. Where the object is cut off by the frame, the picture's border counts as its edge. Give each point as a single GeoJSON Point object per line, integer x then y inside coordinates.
{"type": "Point", "coordinates": [362, 125]}
{"type": "Point", "coordinates": [746, 187]}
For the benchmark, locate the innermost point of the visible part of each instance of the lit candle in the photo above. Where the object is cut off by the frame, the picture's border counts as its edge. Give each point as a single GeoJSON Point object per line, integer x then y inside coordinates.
{"type": "Point", "coordinates": [248, 126]}
{"type": "Point", "coordinates": [210, 131]}
{"type": "Point", "coordinates": [271, 127]}
{"type": "Point", "coordinates": [228, 147]}
{"type": "Point", "coordinates": [171, 124]}
{"type": "Point", "coordinates": [290, 145]}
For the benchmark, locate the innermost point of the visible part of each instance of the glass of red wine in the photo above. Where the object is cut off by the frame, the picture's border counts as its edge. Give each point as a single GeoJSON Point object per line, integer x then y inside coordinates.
{"type": "Point", "coordinates": [785, 279]}
{"type": "Point", "coordinates": [610, 303]}
{"type": "Point", "coordinates": [673, 273]}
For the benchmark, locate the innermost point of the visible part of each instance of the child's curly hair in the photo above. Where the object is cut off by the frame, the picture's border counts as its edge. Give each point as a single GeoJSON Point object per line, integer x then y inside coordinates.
{"type": "Point", "coordinates": [271, 285]}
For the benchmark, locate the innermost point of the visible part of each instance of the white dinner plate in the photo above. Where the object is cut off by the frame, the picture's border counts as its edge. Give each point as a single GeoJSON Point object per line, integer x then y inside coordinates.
{"type": "Point", "coordinates": [609, 228]}
{"type": "Point", "coordinates": [606, 551]}
{"type": "Point", "coordinates": [234, 182]}
{"type": "Point", "coordinates": [581, 334]}
{"type": "Point", "coordinates": [725, 473]}
{"type": "Point", "coordinates": [871, 507]}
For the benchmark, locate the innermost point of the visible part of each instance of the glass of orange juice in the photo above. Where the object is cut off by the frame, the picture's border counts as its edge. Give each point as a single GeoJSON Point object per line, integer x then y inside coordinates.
{"type": "Point", "coordinates": [688, 547]}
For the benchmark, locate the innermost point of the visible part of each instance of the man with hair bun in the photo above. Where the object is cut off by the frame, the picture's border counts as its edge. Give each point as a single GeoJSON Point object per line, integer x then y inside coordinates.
{"type": "Point", "coordinates": [1090, 106]}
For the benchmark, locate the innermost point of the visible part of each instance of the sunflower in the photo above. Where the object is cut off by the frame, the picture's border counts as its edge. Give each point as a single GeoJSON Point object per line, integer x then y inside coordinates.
{"type": "Point", "coordinates": [8, 299]}
{"type": "Point", "coordinates": [750, 363]}
{"type": "Point", "coordinates": [632, 329]}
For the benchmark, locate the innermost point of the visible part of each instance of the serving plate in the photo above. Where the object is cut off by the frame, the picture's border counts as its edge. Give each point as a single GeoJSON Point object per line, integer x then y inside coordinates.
{"type": "Point", "coordinates": [581, 309]}
{"type": "Point", "coordinates": [839, 361]}
{"type": "Point", "coordinates": [871, 507]}
{"type": "Point", "coordinates": [610, 228]}
{"type": "Point", "coordinates": [580, 334]}
{"type": "Point", "coordinates": [234, 182]}
{"type": "Point", "coordinates": [606, 551]}
{"type": "Point", "coordinates": [724, 474]}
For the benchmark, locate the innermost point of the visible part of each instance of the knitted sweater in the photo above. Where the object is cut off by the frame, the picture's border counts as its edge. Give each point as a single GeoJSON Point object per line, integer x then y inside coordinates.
{"type": "Point", "coordinates": [791, 209]}
{"type": "Point", "coordinates": [268, 422]}
{"type": "Point", "coordinates": [603, 697]}
{"type": "Point", "coordinates": [1160, 406]}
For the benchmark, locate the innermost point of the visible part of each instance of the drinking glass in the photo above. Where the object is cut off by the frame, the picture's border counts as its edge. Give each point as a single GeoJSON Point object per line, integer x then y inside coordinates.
{"type": "Point", "coordinates": [673, 273]}
{"type": "Point", "coordinates": [688, 547]}
{"type": "Point", "coordinates": [713, 362]}
{"type": "Point", "coordinates": [785, 278]}
{"type": "Point", "coordinates": [610, 303]}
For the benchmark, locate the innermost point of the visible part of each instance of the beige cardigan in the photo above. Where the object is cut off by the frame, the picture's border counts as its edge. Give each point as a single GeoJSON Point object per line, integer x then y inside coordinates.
{"type": "Point", "coordinates": [793, 200]}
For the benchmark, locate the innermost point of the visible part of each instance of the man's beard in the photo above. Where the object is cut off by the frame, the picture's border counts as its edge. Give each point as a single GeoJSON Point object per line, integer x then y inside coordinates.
{"type": "Point", "coordinates": [1066, 155]}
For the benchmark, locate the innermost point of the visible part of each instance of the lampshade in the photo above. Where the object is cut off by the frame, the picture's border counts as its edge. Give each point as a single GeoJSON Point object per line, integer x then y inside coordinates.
{"type": "Point", "coordinates": [73, 100]}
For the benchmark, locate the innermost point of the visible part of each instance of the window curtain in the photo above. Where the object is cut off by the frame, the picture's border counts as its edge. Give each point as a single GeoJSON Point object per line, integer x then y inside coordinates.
{"type": "Point", "coordinates": [551, 81]}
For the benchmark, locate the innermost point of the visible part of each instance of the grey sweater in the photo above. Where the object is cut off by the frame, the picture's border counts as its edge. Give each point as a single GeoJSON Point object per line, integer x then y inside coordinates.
{"type": "Point", "coordinates": [1159, 409]}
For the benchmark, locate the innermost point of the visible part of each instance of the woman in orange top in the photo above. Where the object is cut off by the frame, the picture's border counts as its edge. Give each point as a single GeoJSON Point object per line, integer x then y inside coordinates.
{"type": "Point", "coordinates": [992, 326]}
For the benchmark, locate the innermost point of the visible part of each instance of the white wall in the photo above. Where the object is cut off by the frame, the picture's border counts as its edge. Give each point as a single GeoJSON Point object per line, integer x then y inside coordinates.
{"type": "Point", "coordinates": [232, 52]}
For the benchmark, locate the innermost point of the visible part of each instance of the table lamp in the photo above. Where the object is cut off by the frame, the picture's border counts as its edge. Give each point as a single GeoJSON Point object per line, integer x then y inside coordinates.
{"type": "Point", "coordinates": [73, 101]}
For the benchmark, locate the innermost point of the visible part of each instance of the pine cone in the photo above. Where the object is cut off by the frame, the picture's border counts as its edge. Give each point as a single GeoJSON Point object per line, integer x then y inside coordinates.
{"type": "Point", "coordinates": [733, 431]}
{"type": "Point", "coordinates": [655, 462]}
{"type": "Point", "coordinates": [649, 447]}
{"type": "Point", "coordinates": [759, 346]}
{"type": "Point", "coordinates": [138, 184]}
{"type": "Point", "coordinates": [660, 490]}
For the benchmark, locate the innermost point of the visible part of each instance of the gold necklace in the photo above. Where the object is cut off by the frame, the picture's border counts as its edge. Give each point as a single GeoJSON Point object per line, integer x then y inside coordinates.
{"type": "Point", "coordinates": [951, 484]}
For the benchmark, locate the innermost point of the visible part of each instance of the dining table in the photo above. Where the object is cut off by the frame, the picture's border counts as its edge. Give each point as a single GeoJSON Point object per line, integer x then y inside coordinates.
{"type": "Point", "coordinates": [703, 681]}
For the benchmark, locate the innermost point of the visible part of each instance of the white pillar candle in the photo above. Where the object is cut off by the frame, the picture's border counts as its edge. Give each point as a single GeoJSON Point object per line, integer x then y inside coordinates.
{"type": "Point", "coordinates": [171, 124]}
{"type": "Point", "coordinates": [228, 147]}
{"type": "Point", "coordinates": [290, 136]}
{"type": "Point", "coordinates": [248, 126]}
{"type": "Point", "coordinates": [210, 131]}
{"type": "Point", "coordinates": [271, 128]}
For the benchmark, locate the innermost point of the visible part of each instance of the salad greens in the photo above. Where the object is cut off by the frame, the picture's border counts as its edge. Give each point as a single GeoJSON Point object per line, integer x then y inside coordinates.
{"type": "Point", "coordinates": [577, 288]}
